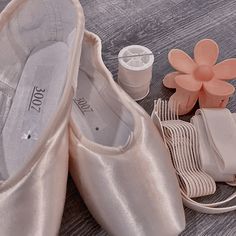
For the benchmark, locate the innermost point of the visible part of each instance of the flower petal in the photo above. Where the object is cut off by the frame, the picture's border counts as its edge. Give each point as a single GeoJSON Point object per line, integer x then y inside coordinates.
{"type": "Point", "coordinates": [181, 61]}
{"type": "Point", "coordinates": [206, 52]}
{"type": "Point", "coordinates": [188, 83]}
{"type": "Point", "coordinates": [169, 80]}
{"type": "Point", "coordinates": [225, 70]}
{"type": "Point", "coordinates": [218, 88]}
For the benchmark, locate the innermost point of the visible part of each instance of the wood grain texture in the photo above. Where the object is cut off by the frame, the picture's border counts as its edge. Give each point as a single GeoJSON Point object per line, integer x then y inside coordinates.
{"type": "Point", "coordinates": [160, 25]}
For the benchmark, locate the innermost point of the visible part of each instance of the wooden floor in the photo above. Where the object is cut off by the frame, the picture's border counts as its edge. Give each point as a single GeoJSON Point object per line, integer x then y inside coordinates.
{"type": "Point", "coordinates": [160, 25]}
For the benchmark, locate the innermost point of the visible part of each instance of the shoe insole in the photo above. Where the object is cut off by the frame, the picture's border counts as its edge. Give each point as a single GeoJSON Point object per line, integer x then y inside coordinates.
{"type": "Point", "coordinates": [98, 117]}
{"type": "Point", "coordinates": [36, 98]}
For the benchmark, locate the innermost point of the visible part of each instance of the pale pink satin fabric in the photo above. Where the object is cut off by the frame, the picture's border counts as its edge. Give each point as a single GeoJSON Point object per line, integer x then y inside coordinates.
{"type": "Point", "coordinates": [31, 202]}
{"type": "Point", "coordinates": [130, 190]}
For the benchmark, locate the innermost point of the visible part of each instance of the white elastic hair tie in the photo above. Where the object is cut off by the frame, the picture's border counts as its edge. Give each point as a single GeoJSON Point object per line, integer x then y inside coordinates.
{"type": "Point", "coordinates": [182, 140]}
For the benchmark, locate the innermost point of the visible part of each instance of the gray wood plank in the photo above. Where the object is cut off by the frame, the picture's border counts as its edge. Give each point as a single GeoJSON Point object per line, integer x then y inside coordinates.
{"type": "Point", "coordinates": [160, 25]}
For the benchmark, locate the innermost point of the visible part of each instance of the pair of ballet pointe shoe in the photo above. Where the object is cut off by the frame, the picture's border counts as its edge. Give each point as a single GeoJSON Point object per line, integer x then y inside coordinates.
{"type": "Point", "coordinates": [57, 97]}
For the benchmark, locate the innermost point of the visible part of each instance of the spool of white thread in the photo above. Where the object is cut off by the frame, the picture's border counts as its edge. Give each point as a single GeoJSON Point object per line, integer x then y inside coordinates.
{"type": "Point", "coordinates": [135, 70]}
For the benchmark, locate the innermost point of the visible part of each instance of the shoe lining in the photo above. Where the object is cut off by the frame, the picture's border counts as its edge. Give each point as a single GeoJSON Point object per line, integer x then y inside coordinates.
{"type": "Point", "coordinates": [34, 54]}
{"type": "Point", "coordinates": [99, 116]}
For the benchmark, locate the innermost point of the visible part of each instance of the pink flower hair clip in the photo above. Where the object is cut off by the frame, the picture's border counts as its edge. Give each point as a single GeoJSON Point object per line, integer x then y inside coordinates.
{"type": "Point", "coordinates": [200, 79]}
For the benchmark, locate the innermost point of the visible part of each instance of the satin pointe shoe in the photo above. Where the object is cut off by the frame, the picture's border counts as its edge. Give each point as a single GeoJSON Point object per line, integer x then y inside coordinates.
{"type": "Point", "coordinates": [117, 158]}
{"type": "Point", "coordinates": [40, 45]}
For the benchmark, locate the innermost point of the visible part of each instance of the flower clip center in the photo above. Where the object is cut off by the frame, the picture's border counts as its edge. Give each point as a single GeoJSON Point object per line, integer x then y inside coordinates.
{"type": "Point", "coordinates": [203, 73]}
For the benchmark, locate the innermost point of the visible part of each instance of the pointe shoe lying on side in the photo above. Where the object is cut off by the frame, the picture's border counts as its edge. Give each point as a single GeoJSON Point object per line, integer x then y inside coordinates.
{"type": "Point", "coordinates": [117, 158]}
{"type": "Point", "coordinates": [40, 45]}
